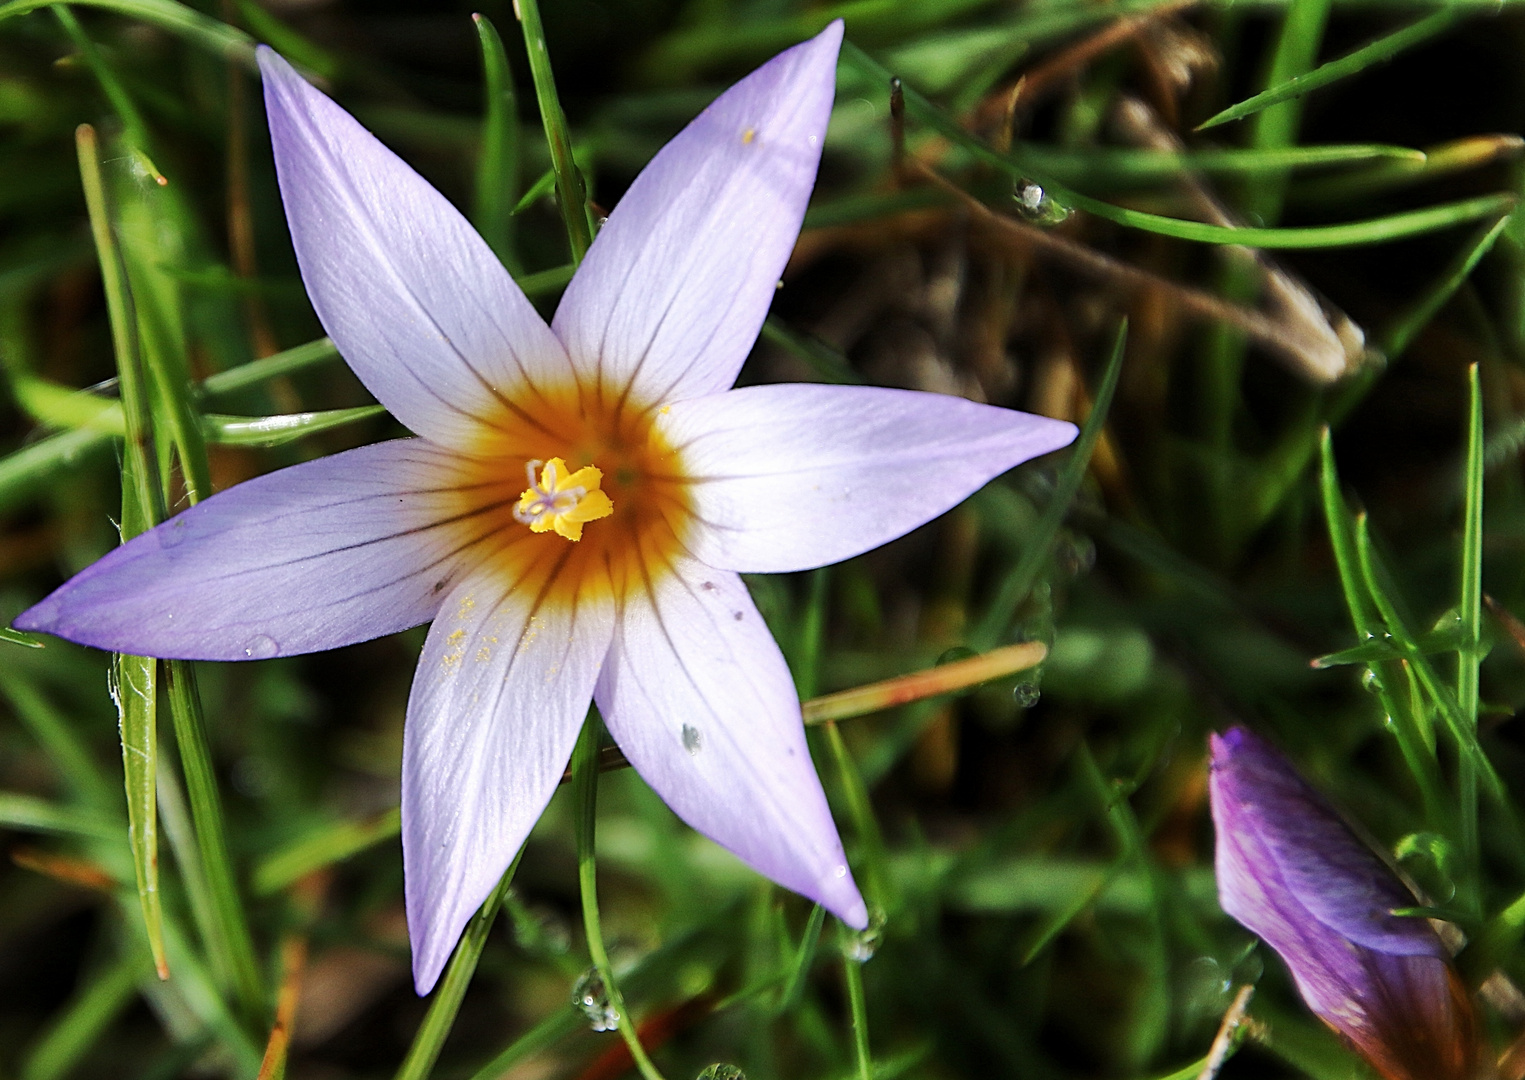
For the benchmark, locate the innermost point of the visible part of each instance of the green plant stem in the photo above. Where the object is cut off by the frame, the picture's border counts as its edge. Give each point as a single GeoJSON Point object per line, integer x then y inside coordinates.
{"type": "Point", "coordinates": [569, 187]}
{"type": "Point", "coordinates": [852, 970]}
{"type": "Point", "coordinates": [431, 1035]}
{"type": "Point", "coordinates": [585, 810]}
{"type": "Point", "coordinates": [861, 810]}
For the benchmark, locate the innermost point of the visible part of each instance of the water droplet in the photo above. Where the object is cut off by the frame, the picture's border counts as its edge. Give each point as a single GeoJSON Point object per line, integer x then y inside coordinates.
{"type": "Point", "coordinates": [261, 647]}
{"type": "Point", "coordinates": [958, 652]}
{"type": "Point", "coordinates": [722, 1072]}
{"type": "Point", "coordinates": [1026, 694]}
{"type": "Point", "coordinates": [591, 996]}
{"type": "Point", "coordinates": [172, 534]}
{"type": "Point", "coordinates": [860, 947]}
{"type": "Point", "coordinates": [1370, 682]}
{"type": "Point", "coordinates": [693, 742]}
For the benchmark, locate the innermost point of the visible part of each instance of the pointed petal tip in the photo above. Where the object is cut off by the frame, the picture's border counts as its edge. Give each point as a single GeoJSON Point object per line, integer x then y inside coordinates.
{"type": "Point", "coordinates": [428, 964]}
{"type": "Point", "coordinates": [854, 913]}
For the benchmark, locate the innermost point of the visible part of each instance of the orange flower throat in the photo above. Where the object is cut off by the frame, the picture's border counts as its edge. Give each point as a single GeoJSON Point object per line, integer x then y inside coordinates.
{"type": "Point", "coordinates": [607, 506]}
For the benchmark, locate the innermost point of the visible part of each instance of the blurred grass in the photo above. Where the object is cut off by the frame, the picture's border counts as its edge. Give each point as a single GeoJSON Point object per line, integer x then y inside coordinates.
{"type": "Point", "coordinates": [1036, 846]}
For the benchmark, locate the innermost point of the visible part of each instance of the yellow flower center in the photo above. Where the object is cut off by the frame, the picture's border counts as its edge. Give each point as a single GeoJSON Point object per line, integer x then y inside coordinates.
{"type": "Point", "coordinates": [562, 501]}
{"type": "Point", "coordinates": [549, 437]}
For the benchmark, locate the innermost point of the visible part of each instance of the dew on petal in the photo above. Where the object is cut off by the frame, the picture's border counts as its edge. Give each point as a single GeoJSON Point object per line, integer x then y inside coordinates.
{"type": "Point", "coordinates": [693, 742]}
{"type": "Point", "coordinates": [261, 647]}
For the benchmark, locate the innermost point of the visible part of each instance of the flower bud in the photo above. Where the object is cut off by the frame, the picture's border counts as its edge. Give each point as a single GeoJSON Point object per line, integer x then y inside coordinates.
{"type": "Point", "coordinates": [1291, 870]}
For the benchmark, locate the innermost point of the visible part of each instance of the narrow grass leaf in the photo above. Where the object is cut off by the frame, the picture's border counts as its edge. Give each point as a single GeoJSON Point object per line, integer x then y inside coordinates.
{"type": "Point", "coordinates": [29, 470]}
{"type": "Point", "coordinates": [81, 773]}
{"type": "Point", "coordinates": [287, 362]}
{"type": "Point", "coordinates": [569, 186]}
{"type": "Point", "coordinates": [27, 813]}
{"type": "Point", "coordinates": [1348, 234]}
{"type": "Point", "coordinates": [134, 678]}
{"type": "Point", "coordinates": [431, 1035]}
{"type": "Point", "coordinates": [230, 923]}
{"type": "Point", "coordinates": [217, 37]}
{"type": "Point", "coordinates": [803, 960]}
{"type": "Point", "coordinates": [1376, 52]}
{"type": "Point", "coordinates": [268, 431]}
{"type": "Point", "coordinates": [1396, 339]}
{"type": "Point", "coordinates": [331, 844]}
{"type": "Point", "coordinates": [830, 365]}
{"type": "Point", "coordinates": [1018, 581]}
{"type": "Point", "coordinates": [94, 1007]}
{"type": "Point", "coordinates": [16, 637]}
{"type": "Point", "coordinates": [497, 178]}
{"type": "Point", "coordinates": [152, 225]}
{"type": "Point", "coordinates": [133, 128]}
{"type": "Point", "coordinates": [1463, 729]}
{"type": "Point", "coordinates": [1121, 164]}
{"type": "Point", "coordinates": [1470, 616]}
{"type": "Point", "coordinates": [297, 48]}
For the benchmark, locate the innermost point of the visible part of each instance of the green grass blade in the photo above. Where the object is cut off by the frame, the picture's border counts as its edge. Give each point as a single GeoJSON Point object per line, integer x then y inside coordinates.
{"type": "Point", "coordinates": [1349, 234]}
{"type": "Point", "coordinates": [1378, 230]}
{"type": "Point", "coordinates": [31, 814]}
{"type": "Point", "coordinates": [799, 966]}
{"type": "Point", "coordinates": [555, 1027]}
{"type": "Point", "coordinates": [152, 225]}
{"type": "Point", "coordinates": [133, 128]}
{"type": "Point", "coordinates": [569, 186]}
{"type": "Point", "coordinates": [1470, 616]}
{"type": "Point", "coordinates": [1125, 164]}
{"type": "Point", "coordinates": [585, 814]}
{"type": "Point", "coordinates": [825, 361]}
{"type": "Point", "coordinates": [328, 845]}
{"type": "Point", "coordinates": [1014, 587]}
{"type": "Point", "coordinates": [202, 30]}
{"type": "Point", "coordinates": [16, 637]}
{"type": "Point", "coordinates": [31, 468]}
{"type": "Point", "coordinates": [83, 1019]}
{"type": "Point", "coordinates": [1396, 339]}
{"type": "Point", "coordinates": [497, 179]}
{"type": "Point", "coordinates": [81, 774]}
{"type": "Point", "coordinates": [1383, 49]}
{"type": "Point", "coordinates": [135, 678]}
{"type": "Point", "coordinates": [1342, 541]}
{"type": "Point", "coordinates": [230, 923]}
{"type": "Point", "coordinates": [431, 1035]}
{"type": "Point", "coordinates": [267, 431]}
{"type": "Point", "coordinates": [1462, 729]}
{"type": "Point", "coordinates": [300, 50]}
{"type": "Point", "coordinates": [287, 362]}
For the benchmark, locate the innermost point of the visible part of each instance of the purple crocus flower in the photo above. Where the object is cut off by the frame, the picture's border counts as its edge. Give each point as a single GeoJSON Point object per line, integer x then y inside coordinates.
{"type": "Point", "coordinates": [580, 499]}
{"type": "Point", "coordinates": [1291, 871]}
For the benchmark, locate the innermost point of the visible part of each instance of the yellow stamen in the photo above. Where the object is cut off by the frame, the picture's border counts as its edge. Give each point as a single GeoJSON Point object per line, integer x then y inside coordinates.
{"type": "Point", "coordinates": [562, 501]}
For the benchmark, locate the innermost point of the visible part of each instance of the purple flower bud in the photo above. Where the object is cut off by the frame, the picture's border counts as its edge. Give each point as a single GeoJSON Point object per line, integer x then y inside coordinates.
{"type": "Point", "coordinates": [1292, 871]}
